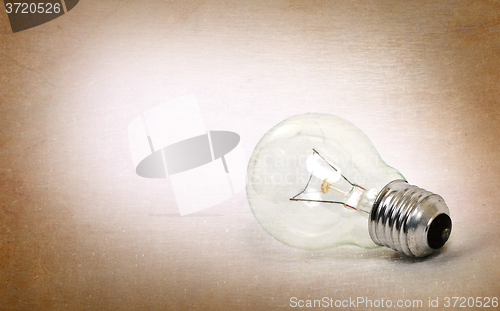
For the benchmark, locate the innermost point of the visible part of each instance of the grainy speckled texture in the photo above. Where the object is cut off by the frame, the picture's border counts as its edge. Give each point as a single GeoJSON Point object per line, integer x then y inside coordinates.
{"type": "Point", "coordinates": [420, 78]}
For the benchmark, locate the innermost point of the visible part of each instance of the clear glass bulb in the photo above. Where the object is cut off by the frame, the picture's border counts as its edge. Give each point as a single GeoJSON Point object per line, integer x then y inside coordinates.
{"type": "Point", "coordinates": [315, 181]}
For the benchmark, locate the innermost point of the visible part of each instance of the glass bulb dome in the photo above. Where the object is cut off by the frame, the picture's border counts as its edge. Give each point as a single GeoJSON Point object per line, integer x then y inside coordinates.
{"type": "Point", "coordinates": [313, 180]}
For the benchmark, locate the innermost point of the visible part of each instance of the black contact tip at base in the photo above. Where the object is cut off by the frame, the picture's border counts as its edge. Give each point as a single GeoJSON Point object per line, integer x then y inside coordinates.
{"type": "Point", "coordinates": [439, 231]}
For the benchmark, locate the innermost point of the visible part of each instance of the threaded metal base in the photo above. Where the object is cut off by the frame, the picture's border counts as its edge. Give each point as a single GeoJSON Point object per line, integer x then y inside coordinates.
{"type": "Point", "coordinates": [409, 219]}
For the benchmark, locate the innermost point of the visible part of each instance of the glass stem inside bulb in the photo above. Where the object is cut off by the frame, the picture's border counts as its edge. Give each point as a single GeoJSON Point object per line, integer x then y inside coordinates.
{"type": "Point", "coordinates": [334, 187]}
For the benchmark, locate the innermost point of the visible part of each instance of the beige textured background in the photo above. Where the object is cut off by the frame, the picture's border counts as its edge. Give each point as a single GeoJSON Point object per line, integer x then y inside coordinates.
{"type": "Point", "coordinates": [80, 231]}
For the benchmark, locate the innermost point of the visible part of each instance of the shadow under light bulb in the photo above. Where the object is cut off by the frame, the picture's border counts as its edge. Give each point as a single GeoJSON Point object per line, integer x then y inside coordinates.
{"type": "Point", "coordinates": [316, 181]}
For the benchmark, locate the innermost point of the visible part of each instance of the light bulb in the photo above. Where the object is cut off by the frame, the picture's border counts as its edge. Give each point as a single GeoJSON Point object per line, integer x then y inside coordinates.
{"type": "Point", "coordinates": [316, 181]}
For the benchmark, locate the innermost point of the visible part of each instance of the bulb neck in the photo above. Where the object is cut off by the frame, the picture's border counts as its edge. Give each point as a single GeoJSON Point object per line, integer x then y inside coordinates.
{"type": "Point", "coordinates": [409, 219]}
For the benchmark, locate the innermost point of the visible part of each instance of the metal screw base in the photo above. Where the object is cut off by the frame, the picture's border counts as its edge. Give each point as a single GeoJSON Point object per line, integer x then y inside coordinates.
{"type": "Point", "coordinates": [409, 219]}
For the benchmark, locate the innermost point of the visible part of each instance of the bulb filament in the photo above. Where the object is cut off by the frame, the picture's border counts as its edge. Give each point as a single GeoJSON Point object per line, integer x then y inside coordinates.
{"type": "Point", "coordinates": [326, 186]}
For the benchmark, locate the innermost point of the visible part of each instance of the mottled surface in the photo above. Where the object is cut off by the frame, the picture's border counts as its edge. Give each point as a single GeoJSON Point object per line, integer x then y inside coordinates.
{"type": "Point", "coordinates": [79, 230]}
